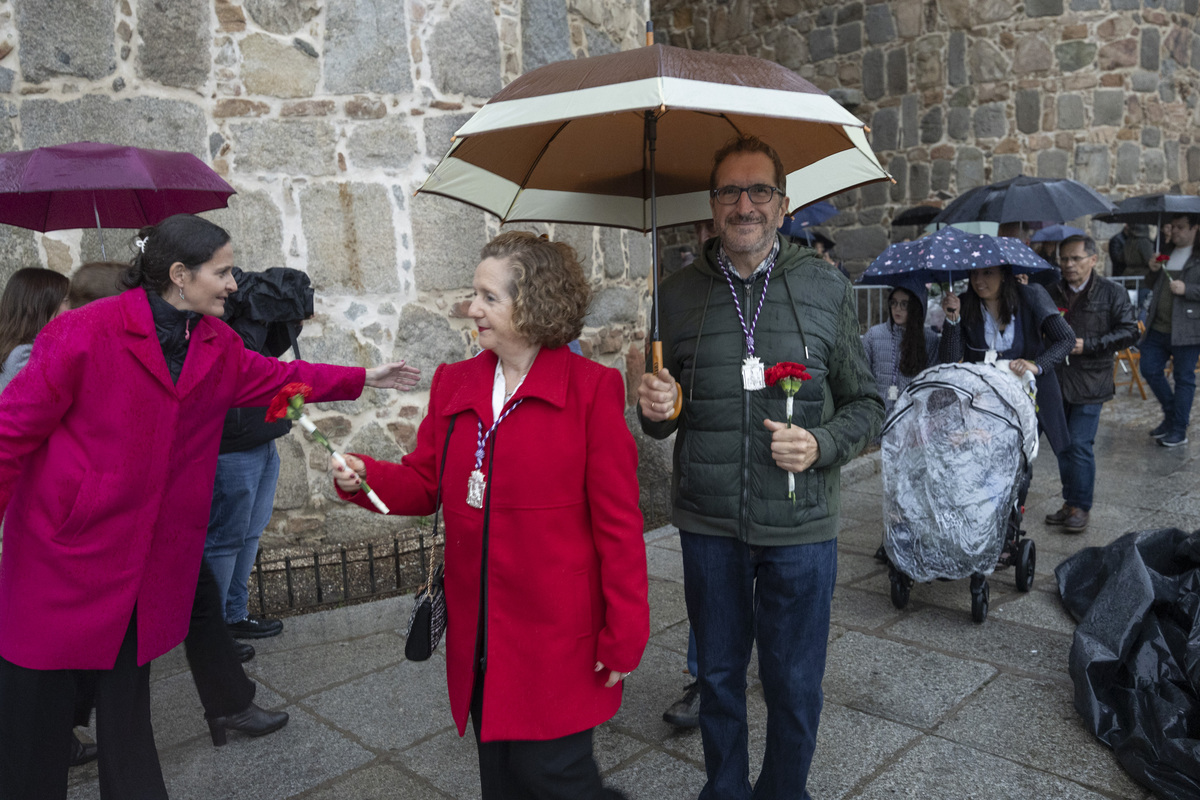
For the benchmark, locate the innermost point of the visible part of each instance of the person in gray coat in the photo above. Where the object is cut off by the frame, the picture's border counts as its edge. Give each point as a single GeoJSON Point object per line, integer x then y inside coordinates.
{"type": "Point", "coordinates": [900, 348]}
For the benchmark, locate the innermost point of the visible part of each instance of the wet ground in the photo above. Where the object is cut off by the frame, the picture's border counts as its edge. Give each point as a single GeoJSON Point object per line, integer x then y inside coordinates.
{"type": "Point", "coordinates": [920, 703]}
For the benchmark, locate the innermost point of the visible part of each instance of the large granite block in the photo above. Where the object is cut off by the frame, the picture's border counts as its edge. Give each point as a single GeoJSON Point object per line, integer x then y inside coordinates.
{"type": "Point", "coordinates": [464, 51]}
{"type": "Point", "coordinates": [289, 147]}
{"type": "Point", "coordinates": [351, 238]}
{"type": "Point", "coordinates": [66, 39]}
{"type": "Point", "coordinates": [366, 48]}
{"type": "Point", "coordinates": [175, 42]}
{"type": "Point", "coordinates": [447, 238]}
{"type": "Point", "coordinates": [153, 122]}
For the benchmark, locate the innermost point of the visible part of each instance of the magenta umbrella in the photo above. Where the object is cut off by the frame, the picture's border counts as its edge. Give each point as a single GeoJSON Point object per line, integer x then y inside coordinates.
{"type": "Point", "coordinates": [106, 185]}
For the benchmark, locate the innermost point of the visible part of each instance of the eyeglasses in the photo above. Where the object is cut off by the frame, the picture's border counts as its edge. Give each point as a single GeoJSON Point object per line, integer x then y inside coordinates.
{"type": "Point", "coordinates": [1073, 259]}
{"type": "Point", "coordinates": [759, 193]}
{"type": "Point", "coordinates": [901, 304]}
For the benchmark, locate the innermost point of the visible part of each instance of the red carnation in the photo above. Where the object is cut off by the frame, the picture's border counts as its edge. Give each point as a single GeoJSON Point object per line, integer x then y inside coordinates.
{"type": "Point", "coordinates": [788, 375]}
{"type": "Point", "coordinates": [1161, 257]}
{"type": "Point", "coordinates": [286, 400]}
{"type": "Point", "coordinates": [786, 369]}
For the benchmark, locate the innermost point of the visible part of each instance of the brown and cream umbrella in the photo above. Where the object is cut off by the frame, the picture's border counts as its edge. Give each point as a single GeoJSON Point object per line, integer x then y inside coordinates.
{"type": "Point", "coordinates": [626, 140]}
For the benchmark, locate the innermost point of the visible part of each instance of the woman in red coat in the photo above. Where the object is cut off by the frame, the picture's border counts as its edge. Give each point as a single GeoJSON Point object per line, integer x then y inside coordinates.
{"type": "Point", "coordinates": [108, 448]}
{"type": "Point", "coordinates": [544, 539]}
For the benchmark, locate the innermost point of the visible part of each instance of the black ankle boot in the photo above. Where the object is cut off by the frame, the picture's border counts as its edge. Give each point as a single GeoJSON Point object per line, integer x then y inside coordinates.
{"type": "Point", "coordinates": [82, 753]}
{"type": "Point", "coordinates": [254, 721]}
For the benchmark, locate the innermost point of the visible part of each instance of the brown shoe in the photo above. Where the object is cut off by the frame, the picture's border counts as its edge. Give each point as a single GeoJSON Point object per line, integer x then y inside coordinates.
{"type": "Point", "coordinates": [1077, 522]}
{"type": "Point", "coordinates": [1059, 517]}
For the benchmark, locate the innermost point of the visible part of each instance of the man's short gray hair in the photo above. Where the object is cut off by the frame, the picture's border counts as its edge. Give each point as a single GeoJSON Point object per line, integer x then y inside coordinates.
{"type": "Point", "coordinates": [1089, 244]}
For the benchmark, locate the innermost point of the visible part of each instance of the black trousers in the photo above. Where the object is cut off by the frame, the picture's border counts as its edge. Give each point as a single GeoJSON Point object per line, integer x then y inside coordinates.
{"type": "Point", "coordinates": [553, 769]}
{"type": "Point", "coordinates": [220, 680]}
{"type": "Point", "coordinates": [217, 672]}
{"type": "Point", "coordinates": [38, 708]}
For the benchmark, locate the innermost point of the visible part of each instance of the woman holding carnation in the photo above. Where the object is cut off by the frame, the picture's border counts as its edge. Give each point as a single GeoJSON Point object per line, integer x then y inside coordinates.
{"type": "Point", "coordinates": [108, 446]}
{"type": "Point", "coordinates": [538, 480]}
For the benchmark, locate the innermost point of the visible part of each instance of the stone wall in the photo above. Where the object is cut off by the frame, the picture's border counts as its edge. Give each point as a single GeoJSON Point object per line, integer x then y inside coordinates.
{"type": "Point", "coordinates": [325, 115]}
{"type": "Point", "coordinates": [960, 93]}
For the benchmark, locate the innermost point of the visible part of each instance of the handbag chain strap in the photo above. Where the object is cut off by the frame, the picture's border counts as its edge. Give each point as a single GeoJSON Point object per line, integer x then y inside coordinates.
{"type": "Point", "coordinates": [438, 507]}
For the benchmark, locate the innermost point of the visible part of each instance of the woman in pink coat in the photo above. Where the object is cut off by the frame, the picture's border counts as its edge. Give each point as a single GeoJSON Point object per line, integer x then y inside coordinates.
{"type": "Point", "coordinates": [108, 447]}
{"type": "Point", "coordinates": [544, 539]}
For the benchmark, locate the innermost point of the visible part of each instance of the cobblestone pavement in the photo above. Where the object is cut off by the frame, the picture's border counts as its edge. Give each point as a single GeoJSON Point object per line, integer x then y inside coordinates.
{"type": "Point", "coordinates": [918, 703]}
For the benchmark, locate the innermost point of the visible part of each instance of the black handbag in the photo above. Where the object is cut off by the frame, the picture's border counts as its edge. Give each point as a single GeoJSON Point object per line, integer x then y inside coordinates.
{"type": "Point", "coordinates": [427, 622]}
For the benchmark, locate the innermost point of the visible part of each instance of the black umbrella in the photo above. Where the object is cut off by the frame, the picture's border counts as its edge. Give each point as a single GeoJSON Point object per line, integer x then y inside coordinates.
{"type": "Point", "coordinates": [917, 215]}
{"type": "Point", "coordinates": [1026, 199]}
{"type": "Point", "coordinates": [1152, 209]}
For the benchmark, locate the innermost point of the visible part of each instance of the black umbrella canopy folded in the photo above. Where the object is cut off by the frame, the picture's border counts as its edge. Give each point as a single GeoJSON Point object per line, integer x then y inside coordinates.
{"type": "Point", "coordinates": [1026, 199]}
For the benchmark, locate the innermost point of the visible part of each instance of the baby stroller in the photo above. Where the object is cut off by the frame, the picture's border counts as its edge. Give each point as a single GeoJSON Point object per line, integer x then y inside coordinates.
{"type": "Point", "coordinates": [957, 454]}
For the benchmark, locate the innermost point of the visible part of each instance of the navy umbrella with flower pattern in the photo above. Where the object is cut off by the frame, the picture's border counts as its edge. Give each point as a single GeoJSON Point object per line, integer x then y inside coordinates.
{"type": "Point", "coordinates": [946, 256]}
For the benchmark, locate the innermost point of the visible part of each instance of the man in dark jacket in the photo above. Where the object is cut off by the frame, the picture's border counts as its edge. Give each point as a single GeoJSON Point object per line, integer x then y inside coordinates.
{"type": "Point", "coordinates": [1173, 331]}
{"type": "Point", "coordinates": [266, 311]}
{"type": "Point", "coordinates": [1104, 322]}
{"type": "Point", "coordinates": [759, 561]}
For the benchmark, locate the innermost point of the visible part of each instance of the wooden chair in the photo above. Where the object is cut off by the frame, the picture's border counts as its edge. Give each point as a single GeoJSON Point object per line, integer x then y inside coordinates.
{"type": "Point", "coordinates": [1128, 361]}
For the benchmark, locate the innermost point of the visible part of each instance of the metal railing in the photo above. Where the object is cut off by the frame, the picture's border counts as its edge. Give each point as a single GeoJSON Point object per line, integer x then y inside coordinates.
{"type": "Point", "coordinates": [311, 580]}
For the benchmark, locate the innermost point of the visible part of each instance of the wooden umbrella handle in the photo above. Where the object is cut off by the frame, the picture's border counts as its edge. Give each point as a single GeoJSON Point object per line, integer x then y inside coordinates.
{"type": "Point", "coordinates": [656, 360]}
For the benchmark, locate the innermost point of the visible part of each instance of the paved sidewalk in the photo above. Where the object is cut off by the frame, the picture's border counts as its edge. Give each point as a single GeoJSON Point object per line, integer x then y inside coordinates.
{"type": "Point", "coordinates": [919, 703]}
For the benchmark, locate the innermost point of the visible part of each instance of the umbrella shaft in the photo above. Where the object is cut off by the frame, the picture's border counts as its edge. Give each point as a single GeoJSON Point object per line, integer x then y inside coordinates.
{"type": "Point", "coordinates": [651, 143]}
{"type": "Point", "coordinates": [99, 229]}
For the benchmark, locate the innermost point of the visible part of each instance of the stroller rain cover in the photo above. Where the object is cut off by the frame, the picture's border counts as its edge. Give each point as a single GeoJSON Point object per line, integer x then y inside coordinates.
{"type": "Point", "coordinates": [951, 461]}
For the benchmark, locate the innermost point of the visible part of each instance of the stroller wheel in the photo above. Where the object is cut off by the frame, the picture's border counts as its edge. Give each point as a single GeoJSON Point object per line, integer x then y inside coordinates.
{"type": "Point", "coordinates": [979, 597]}
{"type": "Point", "coordinates": [901, 586]}
{"type": "Point", "coordinates": [1026, 562]}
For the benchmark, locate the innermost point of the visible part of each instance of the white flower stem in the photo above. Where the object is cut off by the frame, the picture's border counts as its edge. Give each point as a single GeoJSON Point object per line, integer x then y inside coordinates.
{"type": "Point", "coordinates": [311, 429]}
{"type": "Point", "coordinates": [791, 475]}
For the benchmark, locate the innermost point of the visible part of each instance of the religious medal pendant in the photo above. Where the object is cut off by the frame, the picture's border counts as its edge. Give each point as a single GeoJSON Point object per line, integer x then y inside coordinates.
{"type": "Point", "coordinates": [893, 392]}
{"type": "Point", "coordinates": [754, 375]}
{"type": "Point", "coordinates": [475, 486]}
{"type": "Point", "coordinates": [990, 357]}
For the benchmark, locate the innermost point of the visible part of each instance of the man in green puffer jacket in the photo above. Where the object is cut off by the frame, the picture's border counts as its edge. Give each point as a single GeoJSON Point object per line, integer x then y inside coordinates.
{"type": "Point", "coordinates": [758, 564]}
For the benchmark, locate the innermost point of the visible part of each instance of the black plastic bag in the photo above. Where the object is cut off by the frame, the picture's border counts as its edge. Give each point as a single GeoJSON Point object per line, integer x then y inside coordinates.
{"type": "Point", "coordinates": [1135, 658]}
{"type": "Point", "coordinates": [269, 307]}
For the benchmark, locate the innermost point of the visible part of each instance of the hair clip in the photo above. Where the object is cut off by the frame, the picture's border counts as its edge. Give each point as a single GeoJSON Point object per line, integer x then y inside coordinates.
{"type": "Point", "coordinates": [140, 244]}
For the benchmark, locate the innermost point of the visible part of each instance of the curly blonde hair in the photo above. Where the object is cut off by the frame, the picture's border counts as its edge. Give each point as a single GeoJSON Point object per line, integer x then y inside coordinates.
{"type": "Point", "coordinates": [550, 293]}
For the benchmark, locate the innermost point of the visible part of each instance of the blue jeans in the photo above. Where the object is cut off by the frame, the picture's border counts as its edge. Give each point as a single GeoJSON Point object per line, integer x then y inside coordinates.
{"type": "Point", "coordinates": [243, 497]}
{"type": "Point", "coordinates": [781, 596]}
{"type": "Point", "coordinates": [1176, 405]}
{"type": "Point", "coordinates": [1077, 463]}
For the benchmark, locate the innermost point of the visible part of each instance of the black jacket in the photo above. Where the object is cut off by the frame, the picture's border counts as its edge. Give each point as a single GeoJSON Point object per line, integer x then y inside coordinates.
{"type": "Point", "coordinates": [266, 311]}
{"type": "Point", "coordinates": [1104, 318]}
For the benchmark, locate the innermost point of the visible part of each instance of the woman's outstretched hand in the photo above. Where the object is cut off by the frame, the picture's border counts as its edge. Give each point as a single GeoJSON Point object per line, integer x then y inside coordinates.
{"type": "Point", "coordinates": [350, 477]}
{"type": "Point", "coordinates": [397, 375]}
